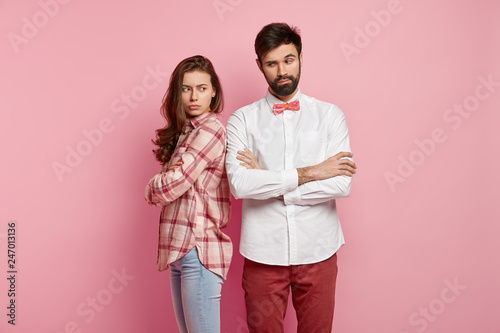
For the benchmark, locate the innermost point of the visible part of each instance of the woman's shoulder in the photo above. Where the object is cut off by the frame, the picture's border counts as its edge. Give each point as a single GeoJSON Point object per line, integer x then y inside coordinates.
{"type": "Point", "coordinates": [213, 122]}
{"type": "Point", "coordinates": [211, 127]}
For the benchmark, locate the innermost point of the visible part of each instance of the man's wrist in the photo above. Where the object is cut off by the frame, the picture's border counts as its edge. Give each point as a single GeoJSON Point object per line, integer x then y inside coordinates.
{"type": "Point", "coordinates": [305, 175]}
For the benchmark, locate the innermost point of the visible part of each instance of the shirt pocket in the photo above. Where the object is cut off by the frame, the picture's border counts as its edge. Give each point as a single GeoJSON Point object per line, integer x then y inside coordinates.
{"type": "Point", "coordinates": [312, 146]}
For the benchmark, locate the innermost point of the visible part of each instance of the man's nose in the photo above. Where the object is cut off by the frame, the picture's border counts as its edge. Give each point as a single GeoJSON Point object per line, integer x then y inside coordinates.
{"type": "Point", "coordinates": [282, 70]}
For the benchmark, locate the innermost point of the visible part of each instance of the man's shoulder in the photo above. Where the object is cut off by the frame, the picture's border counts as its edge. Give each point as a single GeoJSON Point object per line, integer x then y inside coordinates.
{"type": "Point", "coordinates": [250, 109]}
{"type": "Point", "coordinates": [321, 105]}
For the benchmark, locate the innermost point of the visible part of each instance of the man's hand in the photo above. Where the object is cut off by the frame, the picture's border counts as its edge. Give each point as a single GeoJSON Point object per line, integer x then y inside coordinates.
{"type": "Point", "coordinates": [248, 159]}
{"type": "Point", "coordinates": [337, 165]}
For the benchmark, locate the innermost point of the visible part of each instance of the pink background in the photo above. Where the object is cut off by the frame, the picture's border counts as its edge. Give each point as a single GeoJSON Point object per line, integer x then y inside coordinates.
{"type": "Point", "coordinates": [67, 68]}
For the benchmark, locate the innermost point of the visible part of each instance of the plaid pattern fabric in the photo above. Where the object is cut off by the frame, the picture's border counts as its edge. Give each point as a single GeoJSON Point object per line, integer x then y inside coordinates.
{"type": "Point", "coordinates": [195, 197]}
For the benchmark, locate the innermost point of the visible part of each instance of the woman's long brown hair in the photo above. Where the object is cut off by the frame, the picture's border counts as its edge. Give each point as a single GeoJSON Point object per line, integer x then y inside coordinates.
{"type": "Point", "coordinates": [171, 108]}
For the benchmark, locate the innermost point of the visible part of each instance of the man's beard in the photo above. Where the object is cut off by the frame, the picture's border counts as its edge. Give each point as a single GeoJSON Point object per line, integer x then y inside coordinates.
{"type": "Point", "coordinates": [284, 89]}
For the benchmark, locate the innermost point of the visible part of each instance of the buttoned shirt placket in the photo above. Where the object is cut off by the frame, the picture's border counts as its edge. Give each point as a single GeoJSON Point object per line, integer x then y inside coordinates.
{"type": "Point", "coordinates": [289, 132]}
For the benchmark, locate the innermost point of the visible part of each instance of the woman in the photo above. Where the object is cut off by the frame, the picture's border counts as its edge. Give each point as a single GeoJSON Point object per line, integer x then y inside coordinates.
{"type": "Point", "coordinates": [193, 191]}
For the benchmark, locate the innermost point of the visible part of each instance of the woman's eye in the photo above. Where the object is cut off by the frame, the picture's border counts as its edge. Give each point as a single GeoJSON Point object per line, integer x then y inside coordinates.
{"type": "Point", "coordinates": [185, 89]}
{"type": "Point", "coordinates": [203, 88]}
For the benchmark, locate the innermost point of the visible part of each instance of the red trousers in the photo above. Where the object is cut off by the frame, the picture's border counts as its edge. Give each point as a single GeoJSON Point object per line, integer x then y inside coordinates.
{"type": "Point", "coordinates": [313, 295]}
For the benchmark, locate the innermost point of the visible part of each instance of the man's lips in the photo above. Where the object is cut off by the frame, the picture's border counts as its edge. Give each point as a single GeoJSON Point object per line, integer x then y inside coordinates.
{"type": "Point", "coordinates": [284, 81]}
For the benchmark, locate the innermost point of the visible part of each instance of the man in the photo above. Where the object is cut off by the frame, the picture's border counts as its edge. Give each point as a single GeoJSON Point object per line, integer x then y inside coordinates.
{"type": "Point", "coordinates": [288, 157]}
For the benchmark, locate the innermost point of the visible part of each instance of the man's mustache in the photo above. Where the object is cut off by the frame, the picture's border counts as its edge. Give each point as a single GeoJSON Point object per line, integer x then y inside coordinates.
{"type": "Point", "coordinates": [279, 78]}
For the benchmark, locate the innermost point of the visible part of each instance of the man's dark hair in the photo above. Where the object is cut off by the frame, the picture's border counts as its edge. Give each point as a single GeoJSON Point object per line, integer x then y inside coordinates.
{"type": "Point", "coordinates": [274, 35]}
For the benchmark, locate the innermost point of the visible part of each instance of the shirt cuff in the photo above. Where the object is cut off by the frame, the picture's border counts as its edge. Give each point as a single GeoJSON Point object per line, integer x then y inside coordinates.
{"type": "Point", "coordinates": [290, 180]}
{"type": "Point", "coordinates": [292, 197]}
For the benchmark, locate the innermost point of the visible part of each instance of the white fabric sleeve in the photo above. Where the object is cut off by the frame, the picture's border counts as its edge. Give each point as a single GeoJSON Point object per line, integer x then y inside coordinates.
{"type": "Point", "coordinates": [249, 183]}
{"type": "Point", "coordinates": [315, 192]}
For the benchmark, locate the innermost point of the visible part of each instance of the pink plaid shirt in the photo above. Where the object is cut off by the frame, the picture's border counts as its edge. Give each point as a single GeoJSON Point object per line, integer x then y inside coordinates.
{"type": "Point", "coordinates": [195, 197]}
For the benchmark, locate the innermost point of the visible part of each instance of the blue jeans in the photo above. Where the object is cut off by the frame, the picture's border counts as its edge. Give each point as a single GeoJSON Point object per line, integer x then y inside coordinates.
{"type": "Point", "coordinates": [196, 294]}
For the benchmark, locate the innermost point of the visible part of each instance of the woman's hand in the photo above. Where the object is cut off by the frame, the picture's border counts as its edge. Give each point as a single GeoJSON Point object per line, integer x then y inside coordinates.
{"type": "Point", "coordinates": [176, 165]}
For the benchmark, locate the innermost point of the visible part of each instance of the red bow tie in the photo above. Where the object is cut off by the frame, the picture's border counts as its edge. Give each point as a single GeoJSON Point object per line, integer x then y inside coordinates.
{"type": "Point", "coordinates": [279, 108]}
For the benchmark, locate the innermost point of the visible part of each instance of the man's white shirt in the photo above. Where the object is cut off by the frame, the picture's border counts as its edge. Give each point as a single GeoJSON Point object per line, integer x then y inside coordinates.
{"type": "Point", "coordinates": [304, 227]}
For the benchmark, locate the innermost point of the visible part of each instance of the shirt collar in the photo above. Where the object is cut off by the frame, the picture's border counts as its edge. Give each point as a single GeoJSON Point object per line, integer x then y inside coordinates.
{"type": "Point", "coordinates": [201, 119]}
{"type": "Point", "coordinates": [271, 99]}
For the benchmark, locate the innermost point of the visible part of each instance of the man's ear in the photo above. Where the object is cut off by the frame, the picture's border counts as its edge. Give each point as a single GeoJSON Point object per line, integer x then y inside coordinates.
{"type": "Point", "coordinates": [259, 65]}
{"type": "Point", "coordinates": [301, 59]}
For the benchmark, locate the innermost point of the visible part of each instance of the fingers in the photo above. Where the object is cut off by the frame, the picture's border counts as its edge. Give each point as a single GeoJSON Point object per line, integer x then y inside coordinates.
{"type": "Point", "coordinates": [342, 159]}
{"type": "Point", "coordinates": [246, 165]}
{"type": "Point", "coordinates": [343, 154]}
{"type": "Point", "coordinates": [176, 164]}
{"type": "Point", "coordinates": [341, 165]}
{"type": "Point", "coordinates": [244, 158]}
{"type": "Point", "coordinates": [245, 152]}
{"type": "Point", "coordinates": [348, 163]}
{"type": "Point", "coordinates": [348, 171]}
{"type": "Point", "coordinates": [347, 167]}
